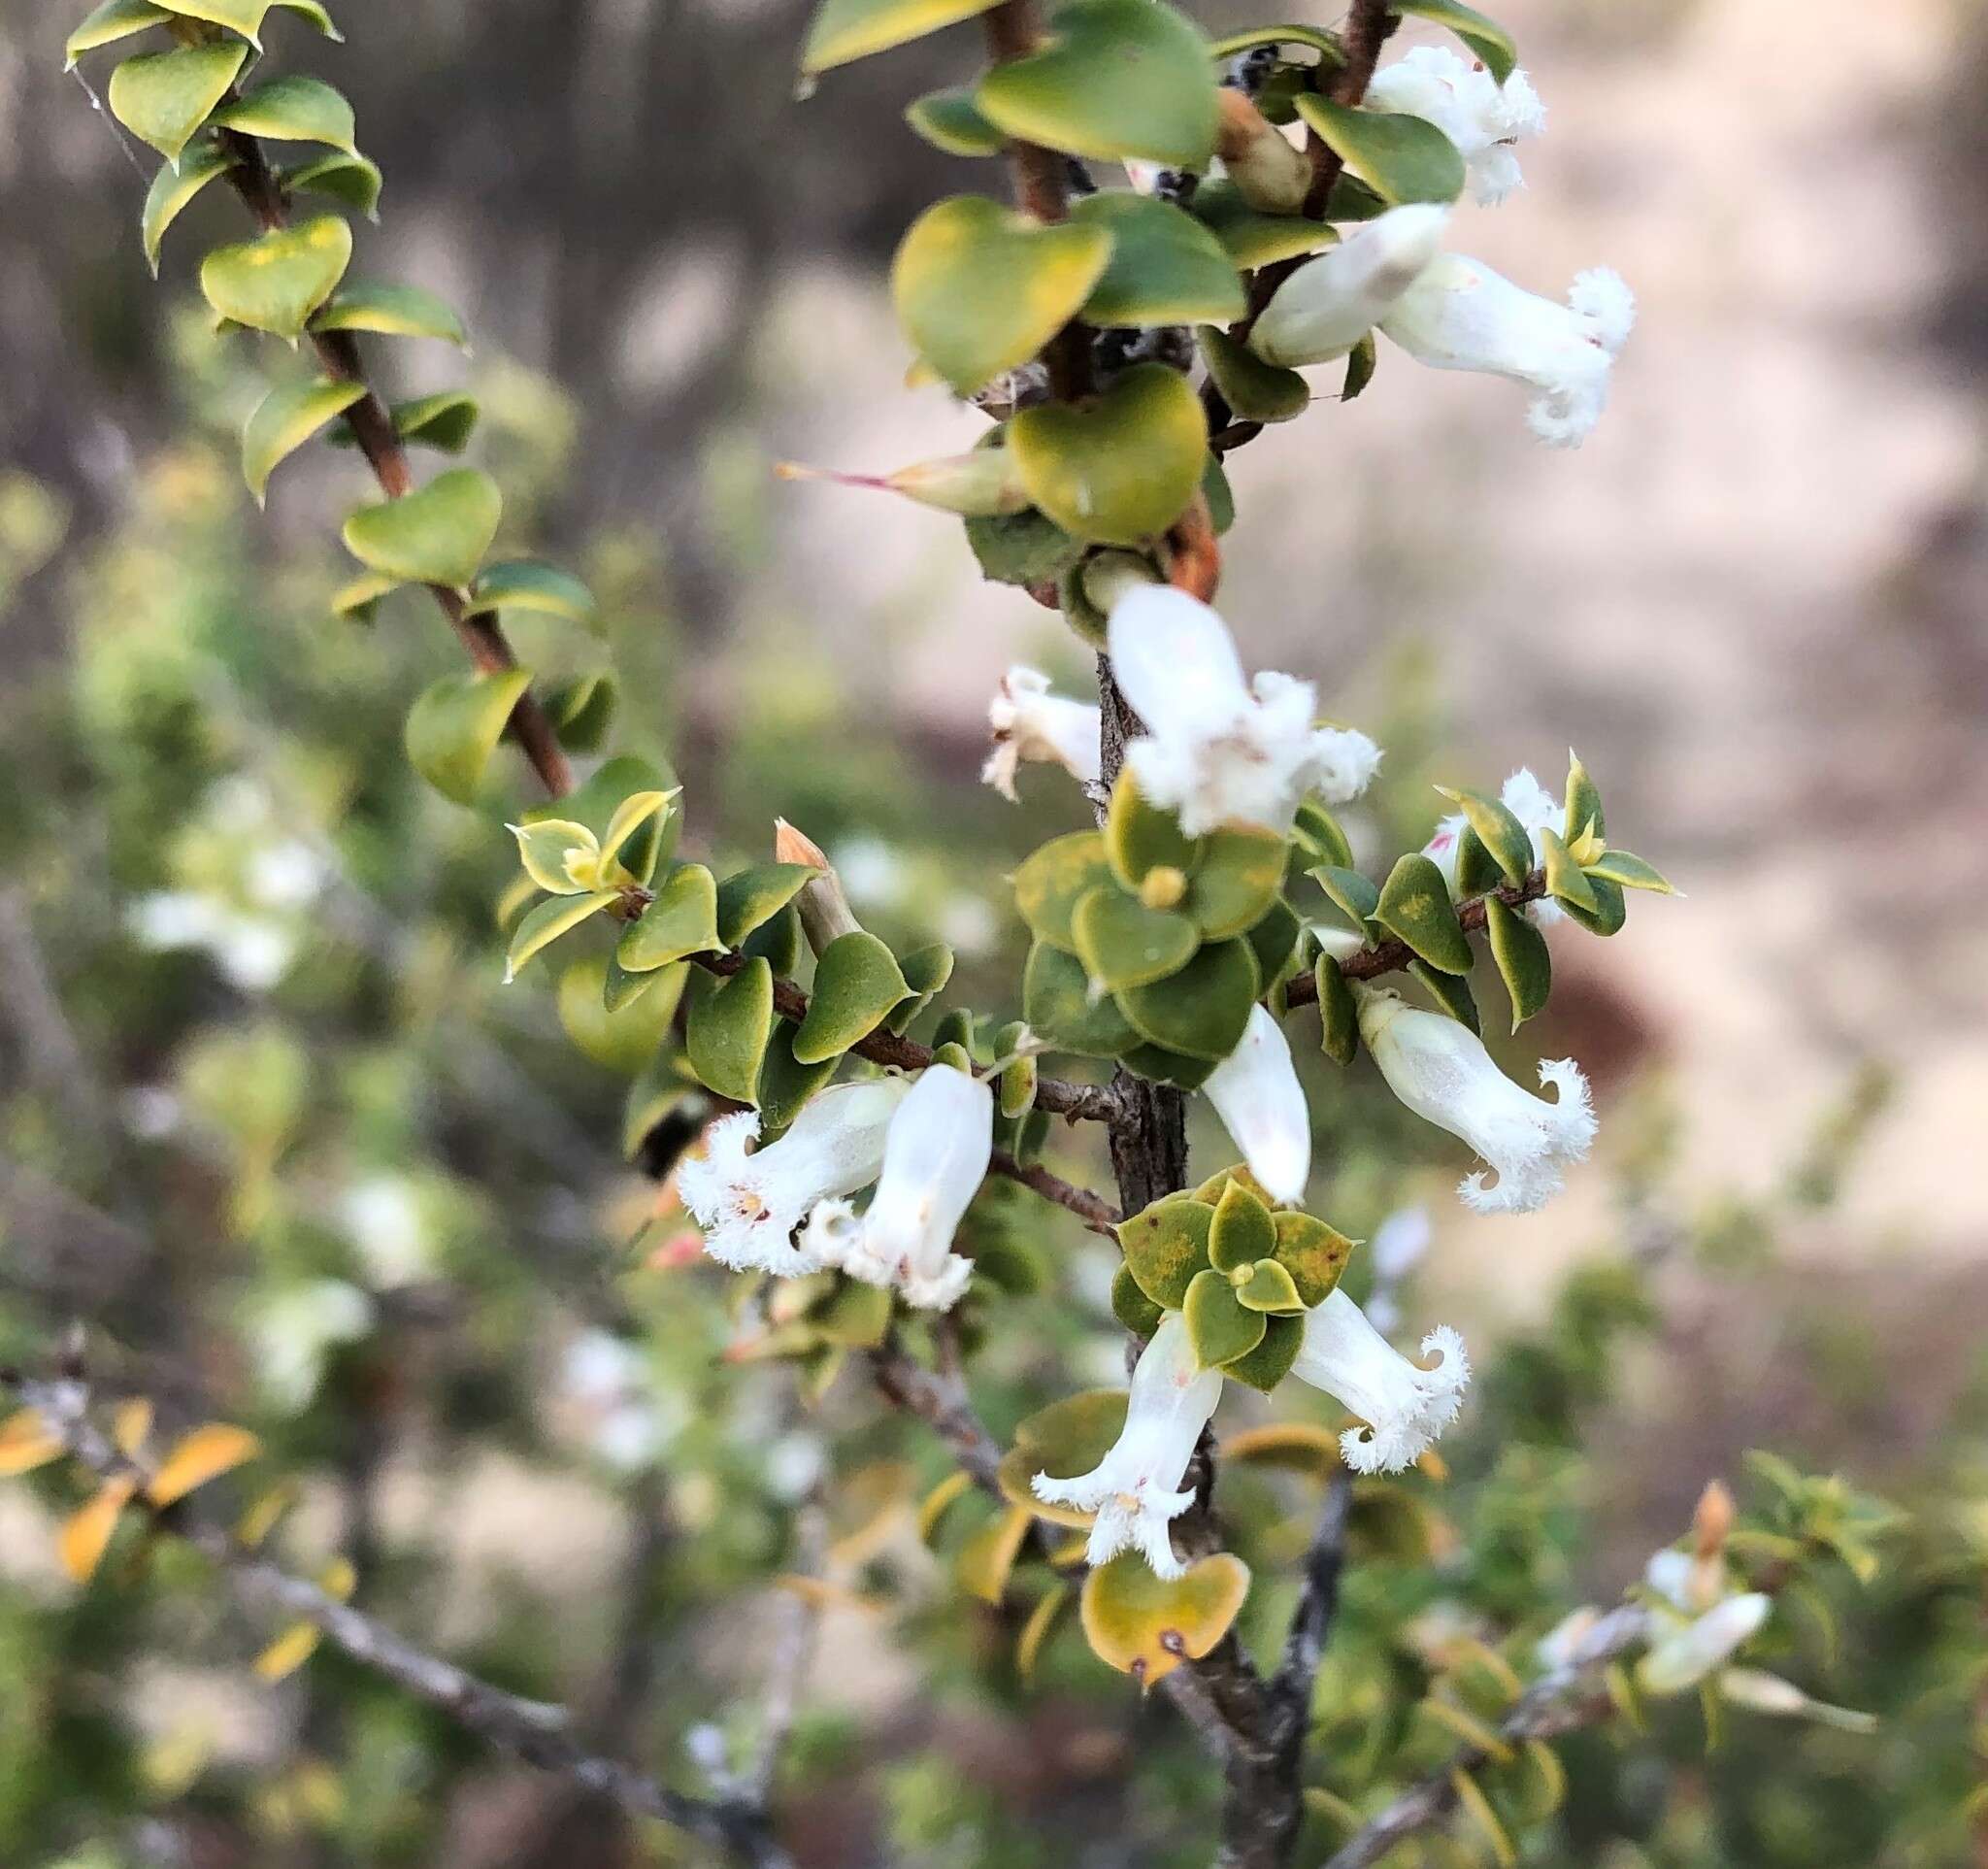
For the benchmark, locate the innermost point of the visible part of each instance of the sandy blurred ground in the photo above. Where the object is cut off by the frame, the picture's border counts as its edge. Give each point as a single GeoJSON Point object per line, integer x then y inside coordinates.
{"type": "Point", "coordinates": [1754, 600]}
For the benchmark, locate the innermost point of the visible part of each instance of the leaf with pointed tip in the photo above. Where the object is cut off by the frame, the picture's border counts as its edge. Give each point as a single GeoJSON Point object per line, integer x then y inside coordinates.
{"type": "Point", "coordinates": [1484, 37]}
{"type": "Point", "coordinates": [1352, 893]}
{"type": "Point", "coordinates": [1508, 841]}
{"type": "Point", "coordinates": [391, 311]}
{"type": "Point", "coordinates": [444, 422]}
{"type": "Point", "coordinates": [354, 178]}
{"type": "Point", "coordinates": [582, 709]}
{"type": "Point", "coordinates": [1146, 1626]}
{"type": "Point", "coordinates": [631, 818]}
{"type": "Point", "coordinates": [1273, 941]}
{"type": "Point", "coordinates": [276, 281]}
{"type": "Point", "coordinates": [682, 921]}
{"type": "Point", "coordinates": [949, 120]}
{"type": "Point", "coordinates": [436, 535]}
{"type": "Point", "coordinates": [623, 988]}
{"type": "Point", "coordinates": [1251, 238]}
{"type": "Point", "coordinates": [729, 1029]}
{"type": "Point", "coordinates": [110, 22]}
{"type": "Point", "coordinates": [560, 855]}
{"type": "Point", "coordinates": [245, 17]}
{"type": "Point", "coordinates": [1452, 993]}
{"type": "Point", "coordinates": [1243, 1230]}
{"type": "Point", "coordinates": [1253, 390]}
{"type": "Point", "coordinates": [294, 108]}
{"type": "Point", "coordinates": [1478, 871]}
{"type": "Point", "coordinates": [520, 584]}
{"type": "Point", "coordinates": [1270, 1290]}
{"type": "Point", "coordinates": [1565, 882]}
{"type": "Point", "coordinates": [163, 97]}
{"type": "Point", "coordinates": [1166, 267]}
{"type": "Point", "coordinates": [1402, 158]}
{"type": "Point", "coordinates": [756, 896]}
{"type": "Point", "coordinates": [87, 1534]}
{"type": "Point", "coordinates": [1361, 362]}
{"type": "Point", "coordinates": [1584, 812]}
{"type": "Point", "coordinates": [28, 1441]}
{"type": "Point", "coordinates": [1631, 872]}
{"type": "Point", "coordinates": [1166, 1248]}
{"type": "Point", "coordinates": [359, 599]}
{"type": "Point", "coordinates": [1610, 912]}
{"type": "Point", "coordinates": [1318, 837]}
{"type": "Point", "coordinates": [1414, 906]}
{"type": "Point", "coordinates": [173, 188]}
{"type": "Point", "coordinates": [204, 1455]}
{"type": "Point", "coordinates": [285, 420]}
{"type": "Point", "coordinates": [1339, 1013]}
{"type": "Point", "coordinates": [848, 30]}
{"type": "Point", "coordinates": [786, 1086]}
{"type": "Point", "coordinates": [857, 986]}
{"type": "Point", "coordinates": [1313, 1253]}
{"type": "Point", "coordinates": [1524, 962]}
{"type": "Point", "coordinates": [556, 916]}
{"type": "Point", "coordinates": [1201, 1012]}
{"type": "Point", "coordinates": [454, 725]}
{"type": "Point", "coordinates": [1237, 880]}
{"type": "Point", "coordinates": [1131, 1306]}
{"type": "Point", "coordinates": [1269, 1362]}
{"type": "Point", "coordinates": [1219, 1326]}
{"type": "Point", "coordinates": [926, 970]}
{"type": "Point", "coordinates": [1056, 1002]}
{"type": "Point", "coordinates": [1054, 879]}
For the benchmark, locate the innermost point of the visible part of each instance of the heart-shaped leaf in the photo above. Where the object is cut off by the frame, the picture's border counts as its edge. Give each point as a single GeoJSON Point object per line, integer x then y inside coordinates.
{"type": "Point", "coordinates": [519, 584]}
{"type": "Point", "coordinates": [1313, 1253]}
{"type": "Point", "coordinates": [1415, 905]}
{"type": "Point", "coordinates": [1269, 1362]}
{"type": "Point", "coordinates": [1338, 1012]}
{"type": "Point", "coordinates": [1251, 238]}
{"type": "Point", "coordinates": [352, 179]}
{"type": "Point", "coordinates": [1054, 879]}
{"type": "Point", "coordinates": [729, 1028]}
{"type": "Point", "coordinates": [1122, 942]}
{"type": "Point", "coordinates": [1067, 1438]}
{"type": "Point", "coordinates": [1524, 962]}
{"type": "Point", "coordinates": [1402, 158]}
{"type": "Point", "coordinates": [437, 535]}
{"type": "Point", "coordinates": [110, 22]}
{"type": "Point", "coordinates": [164, 96]}
{"type": "Point", "coordinates": [786, 1086]}
{"type": "Point", "coordinates": [1268, 1289]}
{"type": "Point", "coordinates": [1121, 468]}
{"type": "Point", "coordinates": [756, 896]}
{"type": "Point", "coordinates": [1146, 1626]}
{"type": "Point", "coordinates": [979, 288]}
{"type": "Point", "coordinates": [1166, 267]}
{"type": "Point", "coordinates": [1166, 1248]}
{"type": "Point", "coordinates": [274, 282]}
{"type": "Point", "coordinates": [847, 29]}
{"type": "Point", "coordinates": [173, 187]}
{"type": "Point", "coordinates": [1140, 837]}
{"type": "Point", "coordinates": [1236, 881]}
{"type": "Point", "coordinates": [1117, 79]}
{"type": "Point", "coordinates": [622, 1040]}
{"type": "Point", "coordinates": [294, 109]}
{"type": "Point", "coordinates": [1242, 1231]}
{"type": "Point", "coordinates": [1256, 390]}
{"type": "Point", "coordinates": [682, 921]}
{"type": "Point", "coordinates": [556, 916]}
{"type": "Point", "coordinates": [454, 725]}
{"type": "Point", "coordinates": [245, 17]}
{"type": "Point", "coordinates": [949, 120]}
{"type": "Point", "coordinates": [1056, 1002]}
{"type": "Point", "coordinates": [1219, 1326]}
{"type": "Point", "coordinates": [857, 986]}
{"type": "Point", "coordinates": [391, 311]}
{"type": "Point", "coordinates": [1202, 1010]}
{"type": "Point", "coordinates": [1484, 37]}
{"type": "Point", "coordinates": [285, 420]}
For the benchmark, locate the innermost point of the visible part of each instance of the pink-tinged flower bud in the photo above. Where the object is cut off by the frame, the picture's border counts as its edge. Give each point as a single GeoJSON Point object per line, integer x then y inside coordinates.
{"type": "Point", "coordinates": [1405, 1406]}
{"type": "Point", "coordinates": [1256, 1093]}
{"type": "Point", "coordinates": [823, 904]}
{"type": "Point", "coordinates": [979, 485]}
{"type": "Point", "coordinates": [1269, 172]}
{"type": "Point", "coordinates": [1330, 303]}
{"type": "Point", "coordinates": [1459, 315]}
{"type": "Point", "coordinates": [1759, 1692]}
{"type": "Point", "coordinates": [1481, 117]}
{"type": "Point", "coordinates": [1135, 1489]}
{"type": "Point", "coordinates": [1029, 722]}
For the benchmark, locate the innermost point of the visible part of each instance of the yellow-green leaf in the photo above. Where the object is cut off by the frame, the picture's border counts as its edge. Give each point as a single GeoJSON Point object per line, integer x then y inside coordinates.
{"type": "Point", "coordinates": [1236, 881]}
{"type": "Point", "coordinates": [1415, 905]}
{"type": "Point", "coordinates": [561, 856]}
{"type": "Point", "coordinates": [1053, 879]}
{"type": "Point", "coordinates": [360, 598]}
{"type": "Point", "coordinates": [245, 17]}
{"type": "Point", "coordinates": [1140, 837]}
{"type": "Point", "coordinates": [623, 1038]}
{"type": "Point", "coordinates": [1631, 872]}
{"type": "Point", "coordinates": [1269, 1287]}
{"type": "Point", "coordinates": [437, 535]}
{"type": "Point", "coordinates": [1131, 1306]}
{"type": "Point", "coordinates": [391, 311]}
{"type": "Point", "coordinates": [27, 1442]}
{"type": "Point", "coordinates": [986, 1559]}
{"type": "Point", "coordinates": [1338, 1012]}
{"type": "Point", "coordinates": [948, 121]}
{"type": "Point", "coordinates": [277, 280]}
{"type": "Point", "coordinates": [285, 420]}
{"type": "Point", "coordinates": [444, 421]}
{"type": "Point", "coordinates": [1146, 1625]}
{"type": "Point", "coordinates": [1251, 238]}
{"type": "Point", "coordinates": [1243, 1230]}
{"type": "Point", "coordinates": [857, 986]}
{"type": "Point", "coordinates": [163, 97]}
{"type": "Point", "coordinates": [454, 725]}
{"type": "Point", "coordinates": [1508, 841]}
{"type": "Point", "coordinates": [1564, 879]}
{"type": "Point", "coordinates": [1524, 962]}
{"type": "Point", "coordinates": [173, 187]}
{"type": "Point", "coordinates": [1035, 1632]}
{"type": "Point", "coordinates": [294, 108]}
{"type": "Point", "coordinates": [682, 921]}
{"type": "Point", "coordinates": [1584, 812]}
{"type": "Point", "coordinates": [847, 30]}
{"type": "Point", "coordinates": [1166, 1248]}
{"type": "Point", "coordinates": [729, 1028]}
{"type": "Point", "coordinates": [1402, 158]}
{"type": "Point", "coordinates": [1221, 1327]}
{"type": "Point", "coordinates": [1166, 268]}
{"type": "Point", "coordinates": [1201, 1012]}
{"type": "Point", "coordinates": [1067, 1438]}
{"type": "Point", "coordinates": [110, 22]}
{"type": "Point", "coordinates": [1256, 390]}
{"type": "Point", "coordinates": [520, 584]}
{"type": "Point", "coordinates": [753, 897]}
{"type": "Point", "coordinates": [550, 920]}
{"type": "Point", "coordinates": [1484, 37]}
{"type": "Point", "coordinates": [288, 1652]}
{"type": "Point", "coordinates": [635, 810]}
{"type": "Point", "coordinates": [205, 1454]}
{"type": "Point", "coordinates": [350, 178]}
{"type": "Point", "coordinates": [1122, 942]}
{"type": "Point", "coordinates": [1313, 1253]}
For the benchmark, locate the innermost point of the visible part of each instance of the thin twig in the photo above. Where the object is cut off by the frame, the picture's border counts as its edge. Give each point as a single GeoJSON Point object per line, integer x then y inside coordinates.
{"type": "Point", "coordinates": [1318, 1602]}
{"type": "Point", "coordinates": [1096, 1212]}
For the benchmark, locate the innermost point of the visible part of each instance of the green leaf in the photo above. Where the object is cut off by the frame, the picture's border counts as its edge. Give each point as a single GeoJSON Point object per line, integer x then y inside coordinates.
{"type": "Point", "coordinates": [682, 921]}
{"type": "Point", "coordinates": [1352, 893]}
{"type": "Point", "coordinates": [1584, 812]}
{"type": "Point", "coordinates": [1452, 993]}
{"type": "Point", "coordinates": [1269, 1362]}
{"type": "Point", "coordinates": [1339, 1013]}
{"type": "Point", "coordinates": [582, 709]}
{"type": "Point", "coordinates": [1162, 1066]}
{"type": "Point", "coordinates": [1166, 1247]}
{"type": "Point", "coordinates": [1564, 880]}
{"type": "Point", "coordinates": [444, 422]}
{"type": "Point", "coordinates": [173, 188]}
{"type": "Point", "coordinates": [1631, 872]}
{"type": "Point", "coordinates": [779, 942]}
{"type": "Point", "coordinates": [1484, 37]}
{"type": "Point", "coordinates": [756, 896]}
{"type": "Point", "coordinates": [979, 288]}
{"type": "Point", "coordinates": [1121, 467]}
{"type": "Point", "coordinates": [729, 1028]}
{"type": "Point", "coordinates": [285, 420]}
{"type": "Point", "coordinates": [1201, 1012]}
{"type": "Point", "coordinates": [245, 17]}
{"type": "Point", "coordinates": [1610, 909]}
{"type": "Point", "coordinates": [352, 179]}
{"type": "Point", "coordinates": [1221, 1327]}
{"type": "Point", "coordinates": [1508, 841]}
{"type": "Point", "coordinates": [519, 584]}
{"type": "Point", "coordinates": [1131, 1306]}
{"type": "Point", "coordinates": [1236, 883]}
{"type": "Point", "coordinates": [276, 281]}
{"type": "Point", "coordinates": [294, 109]}
{"type": "Point", "coordinates": [1056, 1002]}
{"type": "Point", "coordinates": [1319, 838]}
{"type": "Point", "coordinates": [1251, 238]}
{"type": "Point", "coordinates": [785, 1085]}
{"type": "Point", "coordinates": [454, 725]}
{"type": "Point", "coordinates": [597, 803]}
{"type": "Point", "coordinates": [110, 22]}
{"type": "Point", "coordinates": [1274, 940]}
{"type": "Point", "coordinates": [391, 311]}
{"type": "Point", "coordinates": [163, 97]}
{"type": "Point", "coordinates": [1478, 872]}
{"type": "Point", "coordinates": [1402, 158]}
{"type": "Point", "coordinates": [437, 535]}
{"type": "Point", "coordinates": [1053, 879]}
{"type": "Point", "coordinates": [621, 1038]}
{"type": "Point", "coordinates": [1140, 837]}
{"type": "Point", "coordinates": [1256, 390]}
{"type": "Point", "coordinates": [1524, 962]}
{"type": "Point", "coordinates": [1242, 1231]}
{"type": "Point", "coordinates": [1067, 1438]}
{"type": "Point", "coordinates": [1270, 1289]}
{"type": "Point", "coordinates": [847, 29]}
{"type": "Point", "coordinates": [359, 599]}
{"type": "Point", "coordinates": [1146, 1626]}
{"type": "Point", "coordinates": [857, 986]}
{"type": "Point", "coordinates": [949, 120]}
{"type": "Point", "coordinates": [1166, 267]}
{"type": "Point", "coordinates": [667, 1085]}
{"type": "Point", "coordinates": [1023, 549]}
{"type": "Point", "coordinates": [1415, 905]}
{"type": "Point", "coordinates": [1313, 1253]}
{"type": "Point", "coordinates": [1328, 47]}
{"type": "Point", "coordinates": [1115, 79]}
{"type": "Point", "coordinates": [554, 917]}
{"type": "Point", "coordinates": [635, 812]}
{"type": "Point", "coordinates": [1122, 942]}
{"type": "Point", "coordinates": [1361, 362]}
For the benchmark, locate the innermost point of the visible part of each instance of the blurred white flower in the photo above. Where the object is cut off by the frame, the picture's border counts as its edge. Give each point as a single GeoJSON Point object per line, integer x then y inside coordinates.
{"type": "Point", "coordinates": [1029, 722]}
{"type": "Point", "coordinates": [936, 1155]}
{"type": "Point", "coordinates": [1256, 1093]}
{"type": "Point", "coordinates": [794, 1463]}
{"type": "Point", "coordinates": [607, 1386]}
{"type": "Point", "coordinates": [1406, 1407]}
{"type": "Point", "coordinates": [1459, 315]}
{"type": "Point", "coordinates": [1218, 750]}
{"type": "Point", "coordinates": [253, 950]}
{"type": "Point", "coordinates": [870, 870]}
{"type": "Point", "coordinates": [382, 1215]}
{"type": "Point", "coordinates": [1134, 1490]}
{"type": "Point", "coordinates": [1534, 807]}
{"type": "Point", "coordinates": [1482, 117]}
{"type": "Point", "coordinates": [292, 1331]}
{"type": "Point", "coordinates": [1330, 303]}
{"type": "Point", "coordinates": [1441, 1071]}
{"type": "Point", "coordinates": [285, 875]}
{"type": "Point", "coordinates": [1396, 1249]}
{"type": "Point", "coordinates": [749, 1204]}
{"type": "Point", "coordinates": [1691, 1649]}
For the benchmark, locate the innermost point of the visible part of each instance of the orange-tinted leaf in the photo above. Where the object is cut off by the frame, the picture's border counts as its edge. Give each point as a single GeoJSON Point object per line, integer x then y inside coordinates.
{"type": "Point", "coordinates": [205, 1454]}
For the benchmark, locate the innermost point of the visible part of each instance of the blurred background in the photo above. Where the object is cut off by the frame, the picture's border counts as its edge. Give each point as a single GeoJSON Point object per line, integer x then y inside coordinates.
{"type": "Point", "coordinates": [267, 1119]}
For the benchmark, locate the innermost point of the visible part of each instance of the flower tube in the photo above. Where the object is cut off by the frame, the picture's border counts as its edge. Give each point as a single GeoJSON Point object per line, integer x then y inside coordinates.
{"type": "Point", "coordinates": [1330, 303]}
{"type": "Point", "coordinates": [1406, 1407]}
{"type": "Point", "coordinates": [1029, 722]}
{"type": "Point", "coordinates": [1256, 1093]}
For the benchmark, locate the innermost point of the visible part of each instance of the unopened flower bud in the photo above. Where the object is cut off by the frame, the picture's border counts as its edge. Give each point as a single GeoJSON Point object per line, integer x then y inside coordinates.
{"type": "Point", "coordinates": [1163, 887]}
{"type": "Point", "coordinates": [824, 908]}
{"type": "Point", "coordinates": [1268, 172]}
{"type": "Point", "coordinates": [980, 483]}
{"type": "Point", "coordinates": [1330, 303]}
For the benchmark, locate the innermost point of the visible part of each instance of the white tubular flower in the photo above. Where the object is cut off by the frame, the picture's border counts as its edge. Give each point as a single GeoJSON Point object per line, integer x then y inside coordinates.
{"type": "Point", "coordinates": [935, 1159]}
{"type": "Point", "coordinates": [1684, 1658]}
{"type": "Point", "coordinates": [1482, 117]}
{"type": "Point", "coordinates": [1330, 303]}
{"type": "Point", "coordinates": [1220, 749]}
{"type": "Point", "coordinates": [1029, 722]}
{"type": "Point", "coordinates": [1535, 808]}
{"type": "Point", "coordinates": [1459, 315]}
{"type": "Point", "coordinates": [1759, 1692]}
{"type": "Point", "coordinates": [1136, 1489]}
{"type": "Point", "coordinates": [1441, 1071]}
{"type": "Point", "coordinates": [1406, 1407]}
{"type": "Point", "coordinates": [1256, 1093]}
{"type": "Point", "coordinates": [749, 1205]}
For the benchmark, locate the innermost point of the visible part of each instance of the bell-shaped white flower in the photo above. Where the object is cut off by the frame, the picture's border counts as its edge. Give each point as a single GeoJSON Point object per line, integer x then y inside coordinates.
{"type": "Point", "coordinates": [935, 1159]}
{"type": "Point", "coordinates": [1481, 117]}
{"type": "Point", "coordinates": [1459, 315]}
{"type": "Point", "coordinates": [749, 1204]}
{"type": "Point", "coordinates": [1220, 749]}
{"type": "Point", "coordinates": [1534, 807]}
{"type": "Point", "coordinates": [1330, 303]}
{"type": "Point", "coordinates": [1029, 722]}
{"type": "Point", "coordinates": [1135, 1489]}
{"type": "Point", "coordinates": [1683, 1655]}
{"type": "Point", "coordinates": [1405, 1406]}
{"type": "Point", "coordinates": [1256, 1093]}
{"type": "Point", "coordinates": [1441, 1071]}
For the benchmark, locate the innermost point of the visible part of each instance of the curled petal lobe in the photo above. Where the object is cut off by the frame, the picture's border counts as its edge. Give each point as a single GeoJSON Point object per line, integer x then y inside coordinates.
{"type": "Point", "coordinates": [1030, 723]}
{"type": "Point", "coordinates": [1256, 1093]}
{"type": "Point", "coordinates": [1406, 1407]}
